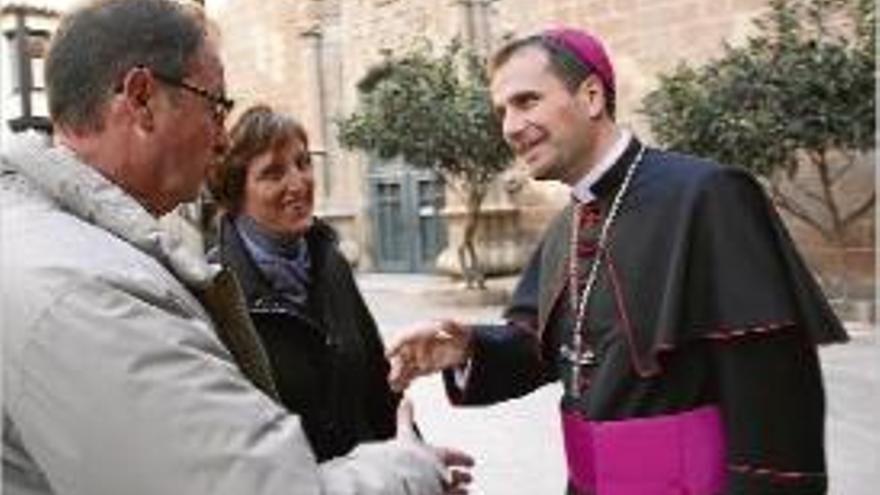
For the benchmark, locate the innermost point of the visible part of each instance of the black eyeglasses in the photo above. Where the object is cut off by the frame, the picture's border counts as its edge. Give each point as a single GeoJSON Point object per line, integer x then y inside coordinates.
{"type": "Point", "coordinates": [220, 104]}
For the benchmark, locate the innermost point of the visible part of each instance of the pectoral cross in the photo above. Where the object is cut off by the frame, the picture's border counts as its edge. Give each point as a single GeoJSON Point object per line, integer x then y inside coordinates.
{"type": "Point", "coordinates": [577, 360]}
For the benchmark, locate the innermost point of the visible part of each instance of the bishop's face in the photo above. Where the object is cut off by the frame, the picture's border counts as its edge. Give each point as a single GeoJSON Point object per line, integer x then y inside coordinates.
{"type": "Point", "coordinates": [547, 126]}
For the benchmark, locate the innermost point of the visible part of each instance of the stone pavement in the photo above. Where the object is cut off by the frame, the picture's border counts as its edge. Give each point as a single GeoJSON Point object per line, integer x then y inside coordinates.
{"type": "Point", "coordinates": [518, 445]}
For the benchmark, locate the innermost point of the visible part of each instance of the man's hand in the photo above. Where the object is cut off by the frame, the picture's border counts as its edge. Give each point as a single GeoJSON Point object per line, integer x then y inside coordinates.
{"type": "Point", "coordinates": [456, 463]}
{"type": "Point", "coordinates": [427, 349]}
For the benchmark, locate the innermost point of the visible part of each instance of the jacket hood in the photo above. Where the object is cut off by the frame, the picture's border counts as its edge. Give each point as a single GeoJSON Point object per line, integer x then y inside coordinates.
{"type": "Point", "coordinates": [79, 189]}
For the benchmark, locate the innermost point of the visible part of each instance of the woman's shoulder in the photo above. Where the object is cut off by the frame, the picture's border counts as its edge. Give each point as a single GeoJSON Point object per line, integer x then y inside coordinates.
{"type": "Point", "coordinates": [323, 231]}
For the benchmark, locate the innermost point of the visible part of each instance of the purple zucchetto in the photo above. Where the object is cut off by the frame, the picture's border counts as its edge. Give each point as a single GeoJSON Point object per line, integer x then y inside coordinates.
{"type": "Point", "coordinates": [588, 49]}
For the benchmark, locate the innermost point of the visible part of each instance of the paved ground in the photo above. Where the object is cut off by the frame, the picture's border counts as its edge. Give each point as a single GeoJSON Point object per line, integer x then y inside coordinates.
{"type": "Point", "coordinates": [517, 444]}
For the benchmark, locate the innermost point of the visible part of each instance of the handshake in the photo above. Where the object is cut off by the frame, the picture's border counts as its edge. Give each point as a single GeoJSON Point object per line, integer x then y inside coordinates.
{"type": "Point", "coordinates": [427, 349]}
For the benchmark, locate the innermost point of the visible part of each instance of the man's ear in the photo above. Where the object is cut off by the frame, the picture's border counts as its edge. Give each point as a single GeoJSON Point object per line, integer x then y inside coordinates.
{"type": "Point", "coordinates": [138, 90]}
{"type": "Point", "coordinates": [591, 95]}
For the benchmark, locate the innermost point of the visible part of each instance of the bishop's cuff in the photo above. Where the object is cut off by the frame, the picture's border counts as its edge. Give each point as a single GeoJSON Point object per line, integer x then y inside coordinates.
{"type": "Point", "coordinates": [505, 363]}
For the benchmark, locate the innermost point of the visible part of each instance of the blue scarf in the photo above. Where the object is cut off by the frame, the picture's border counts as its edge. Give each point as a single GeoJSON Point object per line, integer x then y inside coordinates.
{"type": "Point", "coordinates": [283, 260]}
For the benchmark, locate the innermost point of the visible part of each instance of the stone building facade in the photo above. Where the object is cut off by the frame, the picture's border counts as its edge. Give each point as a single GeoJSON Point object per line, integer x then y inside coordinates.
{"type": "Point", "coordinates": [307, 56]}
{"type": "Point", "coordinates": [25, 28]}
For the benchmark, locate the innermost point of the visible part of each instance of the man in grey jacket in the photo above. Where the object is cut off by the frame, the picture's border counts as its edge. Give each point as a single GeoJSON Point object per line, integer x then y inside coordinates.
{"type": "Point", "coordinates": [128, 365]}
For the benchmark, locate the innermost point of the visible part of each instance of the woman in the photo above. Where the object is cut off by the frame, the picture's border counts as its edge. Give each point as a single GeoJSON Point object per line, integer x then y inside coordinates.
{"type": "Point", "coordinates": [327, 357]}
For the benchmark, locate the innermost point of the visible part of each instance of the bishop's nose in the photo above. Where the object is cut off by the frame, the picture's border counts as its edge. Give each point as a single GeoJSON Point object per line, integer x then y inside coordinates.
{"type": "Point", "coordinates": [514, 128]}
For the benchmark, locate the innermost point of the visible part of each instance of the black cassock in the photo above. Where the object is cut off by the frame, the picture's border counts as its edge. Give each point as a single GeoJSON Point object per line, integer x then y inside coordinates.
{"type": "Point", "coordinates": [702, 311]}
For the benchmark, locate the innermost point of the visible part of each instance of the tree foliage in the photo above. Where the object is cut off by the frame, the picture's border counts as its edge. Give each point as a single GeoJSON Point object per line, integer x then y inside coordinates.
{"type": "Point", "coordinates": [435, 112]}
{"type": "Point", "coordinates": [800, 93]}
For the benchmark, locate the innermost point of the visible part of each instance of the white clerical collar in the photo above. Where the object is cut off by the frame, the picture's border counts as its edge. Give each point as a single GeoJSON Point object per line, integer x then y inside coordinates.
{"type": "Point", "coordinates": [583, 189]}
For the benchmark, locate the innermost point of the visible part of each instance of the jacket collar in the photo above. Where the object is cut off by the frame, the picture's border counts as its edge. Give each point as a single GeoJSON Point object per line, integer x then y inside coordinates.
{"type": "Point", "coordinates": [83, 192]}
{"type": "Point", "coordinates": [232, 252]}
{"type": "Point", "coordinates": [614, 176]}
{"type": "Point", "coordinates": [584, 190]}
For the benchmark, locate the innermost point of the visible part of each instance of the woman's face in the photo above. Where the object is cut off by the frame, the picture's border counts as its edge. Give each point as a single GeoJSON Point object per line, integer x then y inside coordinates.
{"type": "Point", "coordinates": [279, 190]}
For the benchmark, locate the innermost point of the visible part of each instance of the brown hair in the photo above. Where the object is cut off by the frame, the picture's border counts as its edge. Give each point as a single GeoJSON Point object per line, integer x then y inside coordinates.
{"type": "Point", "coordinates": [258, 130]}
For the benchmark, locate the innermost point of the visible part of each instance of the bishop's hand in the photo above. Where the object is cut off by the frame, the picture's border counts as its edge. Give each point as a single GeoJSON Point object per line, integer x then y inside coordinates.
{"type": "Point", "coordinates": [427, 349]}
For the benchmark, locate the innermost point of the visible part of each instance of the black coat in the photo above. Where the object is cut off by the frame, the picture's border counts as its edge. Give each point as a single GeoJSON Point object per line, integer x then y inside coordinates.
{"type": "Point", "coordinates": [328, 363]}
{"type": "Point", "coordinates": [701, 300]}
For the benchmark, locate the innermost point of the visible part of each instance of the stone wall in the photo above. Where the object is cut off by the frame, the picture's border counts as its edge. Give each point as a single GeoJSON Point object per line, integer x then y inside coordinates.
{"type": "Point", "coordinates": [269, 59]}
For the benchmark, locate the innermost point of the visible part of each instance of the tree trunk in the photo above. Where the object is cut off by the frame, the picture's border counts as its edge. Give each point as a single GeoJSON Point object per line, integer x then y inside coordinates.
{"type": "Point", "coordinates": [468, 259]}
{"type": "Point", "coordinates": [833, 223]}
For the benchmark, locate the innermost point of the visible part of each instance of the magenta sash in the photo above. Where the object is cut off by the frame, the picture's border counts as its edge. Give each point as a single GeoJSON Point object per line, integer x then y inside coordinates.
{"type": "Point", "coordinates": [662, 455]}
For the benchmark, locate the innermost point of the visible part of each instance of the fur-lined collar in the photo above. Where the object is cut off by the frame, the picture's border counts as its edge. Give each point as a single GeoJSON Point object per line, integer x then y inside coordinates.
{"type": "Point", "coordinates": [82, 191]}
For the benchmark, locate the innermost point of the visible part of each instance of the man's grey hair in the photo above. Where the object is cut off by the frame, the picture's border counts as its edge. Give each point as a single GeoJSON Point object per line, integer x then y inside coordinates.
{"type": "Point", "coordinates": [96, 45]}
